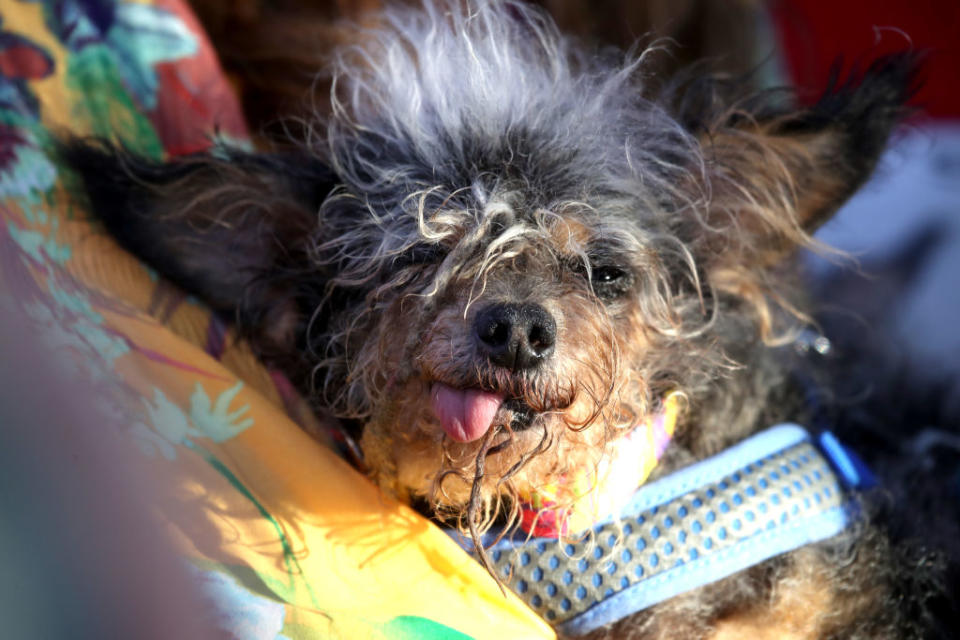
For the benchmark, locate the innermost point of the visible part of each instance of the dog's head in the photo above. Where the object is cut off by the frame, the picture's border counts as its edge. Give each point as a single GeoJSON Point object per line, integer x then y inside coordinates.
{"type": "Point", "coordinates": [498, 253]}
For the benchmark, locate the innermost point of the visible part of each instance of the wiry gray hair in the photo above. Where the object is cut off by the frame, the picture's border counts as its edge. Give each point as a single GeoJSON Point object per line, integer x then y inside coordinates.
{"type": "Point", "coordinates": [446, 121]}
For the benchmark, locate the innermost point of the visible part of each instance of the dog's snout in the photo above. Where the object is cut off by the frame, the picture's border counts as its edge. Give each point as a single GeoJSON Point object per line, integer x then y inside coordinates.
{"type": "Point", "coordinates": [516, 336]}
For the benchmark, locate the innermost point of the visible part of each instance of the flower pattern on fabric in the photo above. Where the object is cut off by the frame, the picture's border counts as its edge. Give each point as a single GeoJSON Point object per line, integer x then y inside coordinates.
{"type": "Point", "coordinates": [23, 167]}
{"type": "Point", "coordinates": [240, 613]}
{"type": "Point", "coordinates": [215, 422]}
{"type": "Point", "coordinates": [417, 628]}
{"type": "Point", "coordinates": [138, 37]}
{"type": "Point", "coordinates": [21, 60]}
{"type": "Point", "coordinates": [176, 426]}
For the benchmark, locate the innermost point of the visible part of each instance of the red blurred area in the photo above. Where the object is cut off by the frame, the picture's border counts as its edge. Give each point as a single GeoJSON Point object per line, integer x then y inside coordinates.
{"type": "Point", "coordinates": [814, 33]}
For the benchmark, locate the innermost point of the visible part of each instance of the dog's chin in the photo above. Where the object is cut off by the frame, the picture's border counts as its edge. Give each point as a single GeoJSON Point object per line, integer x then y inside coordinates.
{"type": "Point", "coordinates": [519, 416]}
{"type": "Point", "coordinates": [526, 450]}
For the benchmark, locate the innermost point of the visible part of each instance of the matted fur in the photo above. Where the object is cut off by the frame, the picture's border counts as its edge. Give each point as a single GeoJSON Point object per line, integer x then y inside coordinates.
{"type": "Point", "coordinates": [474, 157]}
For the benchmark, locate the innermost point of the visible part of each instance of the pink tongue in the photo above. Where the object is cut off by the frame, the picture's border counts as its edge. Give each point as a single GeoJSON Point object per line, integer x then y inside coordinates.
{"type": "Point", "coordinates": [465, 414]}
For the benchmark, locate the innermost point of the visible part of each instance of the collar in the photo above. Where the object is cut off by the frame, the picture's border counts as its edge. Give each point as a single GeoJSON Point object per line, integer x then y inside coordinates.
{"type": "Point", "coordinates": [777, 491]}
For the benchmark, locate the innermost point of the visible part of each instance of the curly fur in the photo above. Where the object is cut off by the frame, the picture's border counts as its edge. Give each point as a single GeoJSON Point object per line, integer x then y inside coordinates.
{"type": "Point", "coordinates": [475, 156]}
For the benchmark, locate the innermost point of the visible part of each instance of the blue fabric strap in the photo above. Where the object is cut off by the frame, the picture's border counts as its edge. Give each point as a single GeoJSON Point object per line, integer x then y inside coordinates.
{"type": "Point", "coordinates": [772, 493]}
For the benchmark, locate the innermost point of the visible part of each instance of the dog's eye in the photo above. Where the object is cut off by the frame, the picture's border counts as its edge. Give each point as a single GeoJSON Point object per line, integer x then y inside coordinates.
{"type": "Point", "coordinates": [607, 275]}
{"type": "Point", "coordinates": [610, 282]}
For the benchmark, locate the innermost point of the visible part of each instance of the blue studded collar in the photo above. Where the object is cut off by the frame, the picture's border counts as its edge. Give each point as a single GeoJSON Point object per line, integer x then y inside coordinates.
{"type": "Point", "coordinates": [774, 492]}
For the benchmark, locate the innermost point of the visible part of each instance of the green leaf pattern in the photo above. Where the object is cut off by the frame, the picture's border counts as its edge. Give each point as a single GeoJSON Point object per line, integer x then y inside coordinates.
{"type": "Point", "coordinates": [174, 426]}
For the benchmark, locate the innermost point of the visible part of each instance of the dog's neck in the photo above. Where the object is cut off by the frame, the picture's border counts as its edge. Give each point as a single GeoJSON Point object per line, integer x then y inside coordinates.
{"type": "Point", "coordinates": [577, 501]}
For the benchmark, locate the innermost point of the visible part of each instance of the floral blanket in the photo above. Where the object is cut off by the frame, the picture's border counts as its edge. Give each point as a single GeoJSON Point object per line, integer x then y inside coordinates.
{"type": "Point", "coordinates": [286, 537]}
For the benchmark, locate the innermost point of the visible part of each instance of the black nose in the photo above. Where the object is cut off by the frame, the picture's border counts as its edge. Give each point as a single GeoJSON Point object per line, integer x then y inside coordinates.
{"type": "Point", "coordinates": [516, 336]}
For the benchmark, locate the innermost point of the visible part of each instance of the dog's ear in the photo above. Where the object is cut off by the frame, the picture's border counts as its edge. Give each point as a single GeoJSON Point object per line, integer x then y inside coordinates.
{"type": "Point", "coordinates": [775, 173]}
{"type": "Point", "coordinates": [231, 227]}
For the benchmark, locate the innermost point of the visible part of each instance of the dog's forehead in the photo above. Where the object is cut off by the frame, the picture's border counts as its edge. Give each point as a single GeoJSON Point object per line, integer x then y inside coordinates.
{"type": "Point", "coordinates": [560, 227]}
{"type": "Point", "coordinates": [568, 234]}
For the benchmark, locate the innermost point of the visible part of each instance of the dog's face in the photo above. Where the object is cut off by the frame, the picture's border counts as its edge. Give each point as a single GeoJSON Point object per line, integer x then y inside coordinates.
{"type": "Point", "coordinates": [501, 251]}
{"type": "Point", "coordinates": [547, 246]}
{"type": "Point", "coordinates": [526, 339]}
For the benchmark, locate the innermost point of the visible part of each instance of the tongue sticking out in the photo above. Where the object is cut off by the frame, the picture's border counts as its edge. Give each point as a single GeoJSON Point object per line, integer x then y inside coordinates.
{"type": "Point", "coordinates": [466, 414]}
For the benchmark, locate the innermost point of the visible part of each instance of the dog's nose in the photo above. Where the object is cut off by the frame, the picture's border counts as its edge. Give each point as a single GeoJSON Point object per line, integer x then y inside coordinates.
{"type": "Point", "coordinates": [516, 336]}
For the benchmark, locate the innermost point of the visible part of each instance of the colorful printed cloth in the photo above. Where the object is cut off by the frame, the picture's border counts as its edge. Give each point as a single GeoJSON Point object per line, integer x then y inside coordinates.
{"type": "Point", "coordinates": [287, 538]}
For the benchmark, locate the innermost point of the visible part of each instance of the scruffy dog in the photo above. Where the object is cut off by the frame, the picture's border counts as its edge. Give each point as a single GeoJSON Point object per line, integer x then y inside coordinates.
{"type": "Point", "coordinates": [500, 253]}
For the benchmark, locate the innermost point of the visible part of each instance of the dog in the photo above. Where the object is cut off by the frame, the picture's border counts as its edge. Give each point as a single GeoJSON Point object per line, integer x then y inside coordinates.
{"type": "Point", "coordinates": [500, 253]}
